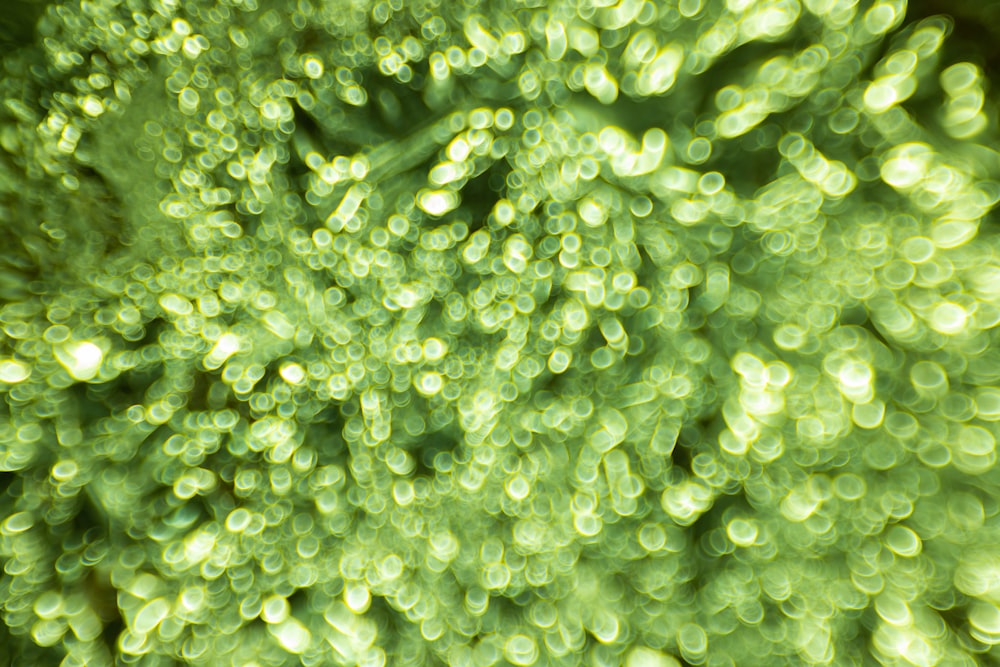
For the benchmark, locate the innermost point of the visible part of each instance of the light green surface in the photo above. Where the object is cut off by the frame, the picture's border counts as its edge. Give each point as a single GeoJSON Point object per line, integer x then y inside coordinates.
{"type": "Point", "coordinates": [528, 333]}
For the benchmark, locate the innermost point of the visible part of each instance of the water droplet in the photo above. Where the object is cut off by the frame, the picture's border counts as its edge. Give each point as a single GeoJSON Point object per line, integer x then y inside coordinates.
{"type": "Point", "coordinates": [238, 520]}
{"type": "Point", "coordinates": [742, 532]}
{"type": "Point", "coordinates": [868, 415]}
{"type": "Point", "coordinates": [928, 376]}
{"type": "Point", "coordinates": [82, 360]}
{"type": "Point", "coordinates": [17, 523]}
{"type": "Point", "coordinates": [437, 202]}
{"type": "Point", "coordinates": [292, 373]}
{"type": "Point", "coordinates": [313, 67]}
{"type": "Point", "coordinates": [692, 640]}
{"type": "Point", "coordinates": [659, 75]}
{"type": "Point", "coordinates": [880, 18]}
{"type": "Point", "coordinates": [275, 610]}
{"type": "Point", "coordinates": [176, 305]}
{"type": "Point", "coordinates": [65, 470]}
{"type": "Point", "coordinates": [903, 541]}
{"type": "Point", "coordinates": [652, 537]}
{"type": "Point", "coordinates": [48, 605]}
{"type": "Point", "coordinates": [92, 106]}
{"type": "Point", "coordinates": [521, 650]}
{"type": "Point", "coordinates": [12, 371]}
{"type": "Point", "coordinates": [641, 656]}
{"type": "Point", "coordinates": [429, 383]}
{"type": "Point", "coordinates": [906, 165]}
{"type": "Point", "coordinates": [560, 360]}
{"type": "Point", "coordinates": [948, 318]}
{"type": "Point", "coordinates": [292, 635]}
{"type": "Point", "coordinates": [711, 183]}
{"type": "Point", "coordinates": [279, 324]}
{"type": "Point", "coordinates": [984, 616]}
{"type": "Point", "coordinates": [150, 616]}
{"type": "Point", "coordinates": [518, 488]}
{"type": "Point", "coordinates": [976, 441]}
{"type": "Point", "coordinates": [881, 95]}
{"type": "Point", "coordinates": [357, 598]}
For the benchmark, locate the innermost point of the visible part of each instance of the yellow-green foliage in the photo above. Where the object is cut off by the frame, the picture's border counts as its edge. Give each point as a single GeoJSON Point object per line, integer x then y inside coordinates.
{"type": "Point", "coordinates": [511, 332]}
